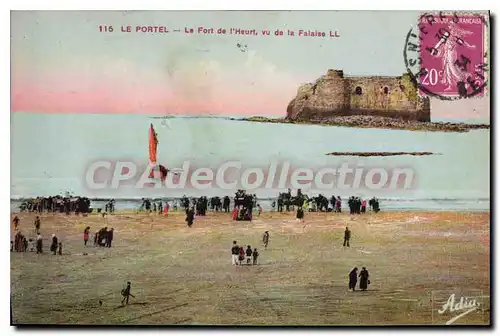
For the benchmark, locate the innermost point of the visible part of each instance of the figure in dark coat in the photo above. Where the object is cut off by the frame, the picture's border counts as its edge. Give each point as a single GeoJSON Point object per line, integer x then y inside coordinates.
{"type": "Point", "coordinates": [300, 213]}
{"type": "Point", "coordinates": [353, 278]}
{"type": "Point", "coordinates": [190, 217]}
{"type": "Point", "coordinates": [39, 244]}
{"type": "Point", "coordinates": [347, 236]}
{"type": "Point", "coordinates": [109, 237]}
{"type": "Point", "coordinates": [54, 245]}
{"type": "Point", "coordinates": [363, 279]}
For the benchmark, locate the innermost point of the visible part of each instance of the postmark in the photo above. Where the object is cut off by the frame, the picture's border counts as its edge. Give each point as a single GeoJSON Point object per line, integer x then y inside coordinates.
{"type": "Point", "coordinates": [446, 55]}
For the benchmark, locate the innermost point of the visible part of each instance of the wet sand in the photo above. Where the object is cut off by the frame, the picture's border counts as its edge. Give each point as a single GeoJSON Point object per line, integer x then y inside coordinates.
{"type": "Point", "coordinates": [184, 275]}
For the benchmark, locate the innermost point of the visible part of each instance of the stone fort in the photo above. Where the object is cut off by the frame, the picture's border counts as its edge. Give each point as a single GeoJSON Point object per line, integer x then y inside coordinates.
{"type": "Point", "coordinates": [334, 94]}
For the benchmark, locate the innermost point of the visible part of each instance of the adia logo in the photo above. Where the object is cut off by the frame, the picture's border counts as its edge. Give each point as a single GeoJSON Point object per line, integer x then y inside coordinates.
{"type": "Point", "coordinates": [450, 307]}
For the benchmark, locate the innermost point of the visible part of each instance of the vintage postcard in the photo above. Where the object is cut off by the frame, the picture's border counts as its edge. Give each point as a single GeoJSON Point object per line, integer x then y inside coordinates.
{"type": "Point", "coordinates": [262, 168]}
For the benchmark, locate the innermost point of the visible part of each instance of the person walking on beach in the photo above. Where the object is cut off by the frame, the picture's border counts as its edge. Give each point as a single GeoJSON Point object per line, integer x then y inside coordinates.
{"type": "Point", "coordinates": [15, 221]}
{"type": "Point", "coordinates": [353, 279]}
{"type": "Point", "coordinates": [126, 294]}
{"type": "Point", "coordinates": [265, 239]}
{"type": "Point", "coordinates": [347, 236]}
{"type": "Point", "coordinates": [363, 279]}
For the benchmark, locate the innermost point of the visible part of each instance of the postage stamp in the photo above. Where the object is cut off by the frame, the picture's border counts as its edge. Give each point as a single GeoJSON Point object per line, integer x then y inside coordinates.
{"type": "Point", "coordinates": [460, 307]}
{"type": "Point", "coordinates": [447, 55]}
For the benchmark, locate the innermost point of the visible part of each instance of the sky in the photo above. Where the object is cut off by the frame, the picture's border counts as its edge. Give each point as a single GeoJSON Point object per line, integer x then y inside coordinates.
{"type": "Point", "coordinates": [62, 63]}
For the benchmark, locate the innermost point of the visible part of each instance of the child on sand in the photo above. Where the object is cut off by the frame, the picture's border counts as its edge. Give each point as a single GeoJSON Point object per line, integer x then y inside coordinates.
{"type": "Point", "coordinates": [241, 255]}
{"type": "Point", "coordinates": [86, 235]}
{"type": "Point", "coordinates": [249, 255]}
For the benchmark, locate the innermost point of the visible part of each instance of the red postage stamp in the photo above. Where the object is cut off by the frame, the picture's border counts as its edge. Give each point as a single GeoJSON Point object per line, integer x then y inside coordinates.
{"type": "Point", "coordinates": [453, 55]}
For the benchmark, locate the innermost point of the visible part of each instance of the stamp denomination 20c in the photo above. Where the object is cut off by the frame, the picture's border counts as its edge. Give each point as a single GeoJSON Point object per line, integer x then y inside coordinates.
{"type": "Point", "coordinates": [446, 55]}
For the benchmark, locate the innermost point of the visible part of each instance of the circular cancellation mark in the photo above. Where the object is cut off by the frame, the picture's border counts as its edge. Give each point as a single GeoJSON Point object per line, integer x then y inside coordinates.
{"type": "Point", "coordinates": [446, 55]}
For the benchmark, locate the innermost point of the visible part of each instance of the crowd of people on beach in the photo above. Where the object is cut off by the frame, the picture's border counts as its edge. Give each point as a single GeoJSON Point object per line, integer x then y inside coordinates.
{"type": "Point", "coordinates": [241, 256]}
{"type": "Point", "coordinates": [63, 204]}
{"type": "Point", "coordinates": [23, 244]}
{"type": "Point", "coordinates": [287, 202]}
{"type": "Point", "coordinates": [244, 206]}
{"type": "Point", "coordinates": [102, 237]}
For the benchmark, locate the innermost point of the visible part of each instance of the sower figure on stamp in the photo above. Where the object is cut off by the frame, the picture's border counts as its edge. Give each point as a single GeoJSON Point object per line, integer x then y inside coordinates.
{"type": "Point", "coordinates": [126, 294]}
{"type": "Point", "coordinates": [347, 236]}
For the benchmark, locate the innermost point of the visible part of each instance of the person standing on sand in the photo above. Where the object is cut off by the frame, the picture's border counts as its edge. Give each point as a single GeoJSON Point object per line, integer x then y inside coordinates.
{"type": "Point", "coordinates": [255, 255]}
{"type": "Point", "coordinates": [249, 253]}
{"type": "Point", "coordinates": [353, 279]}
{"type": "Point", "coordinates": [53, 246]}
{"type": "Point", "coordinates": [265, 239]}
{"type": "Point", "coordinates": [363, 279]}
{"type": "Point", "coordinates": [190, 217]}
{"type": "Point", "coordinates": [347, 236]}
{"type": "Point", "coordinates": [300, 214]}
{"type": "Point", "coordinates": [37, 224]}
{"type": "Point", "coordinates": [86, 235]}
{"type": "Point", "coordinates": [109, 237]}
{"type": "Point", "coordinates": [166, 208]}
{"type": "Point", "coordinates": [234, 253]}
{"type": "Point", "coordinates": [234, 214]}
{"type": "Point", "coordinates": [39, 244]}
{"type": "Point", "coordinates": [260, 210]}
{"type": "Point", "coordinates": [338, 205]}
{"type": "Point", "coordinates": [241, 255]}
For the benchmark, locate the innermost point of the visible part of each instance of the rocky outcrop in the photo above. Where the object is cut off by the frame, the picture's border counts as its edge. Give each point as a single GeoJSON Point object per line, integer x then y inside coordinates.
{"type": "Point", "coordinates": [334, 94]}
{"type": "Point", "coordinates": [363, 121]}
{"type": "Point", "coordinates": [366, 154]}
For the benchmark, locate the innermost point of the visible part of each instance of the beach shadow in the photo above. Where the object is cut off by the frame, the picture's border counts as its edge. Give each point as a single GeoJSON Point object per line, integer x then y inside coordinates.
{"type": "Point", "coordinates": [154, 313]}
{"type": "Point", "coordinates": [183, 321]}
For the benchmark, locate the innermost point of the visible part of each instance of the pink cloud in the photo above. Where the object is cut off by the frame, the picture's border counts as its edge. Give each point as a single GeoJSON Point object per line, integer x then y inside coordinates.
{"type": "Point", "coordinates": [117, 86]}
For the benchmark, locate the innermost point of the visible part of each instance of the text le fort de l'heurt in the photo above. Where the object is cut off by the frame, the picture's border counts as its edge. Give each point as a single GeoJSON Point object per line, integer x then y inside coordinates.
{"type": "Point", "coordinates": [220, 31]}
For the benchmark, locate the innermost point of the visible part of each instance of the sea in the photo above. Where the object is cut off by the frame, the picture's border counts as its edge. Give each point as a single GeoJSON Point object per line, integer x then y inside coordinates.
{"type": "Point", "coordinates": [51, 153]}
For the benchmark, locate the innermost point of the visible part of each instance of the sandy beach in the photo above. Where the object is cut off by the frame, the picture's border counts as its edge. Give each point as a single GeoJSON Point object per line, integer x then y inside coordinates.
{"type": "Point", "coordinates": [184, 275]}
